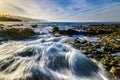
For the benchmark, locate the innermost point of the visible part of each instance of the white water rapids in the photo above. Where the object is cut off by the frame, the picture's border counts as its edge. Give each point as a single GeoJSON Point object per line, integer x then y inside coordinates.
{"type": "Point", "coordinates": [46, 58]}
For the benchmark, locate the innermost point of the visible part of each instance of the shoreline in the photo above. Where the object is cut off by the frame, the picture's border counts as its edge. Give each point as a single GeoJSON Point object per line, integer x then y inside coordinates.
{"type": "Point", "coordinates": [101, 51]}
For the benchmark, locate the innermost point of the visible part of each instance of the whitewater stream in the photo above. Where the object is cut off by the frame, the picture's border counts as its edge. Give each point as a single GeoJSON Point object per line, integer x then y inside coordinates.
{"type": "Point", "coordinates": [45, 57]}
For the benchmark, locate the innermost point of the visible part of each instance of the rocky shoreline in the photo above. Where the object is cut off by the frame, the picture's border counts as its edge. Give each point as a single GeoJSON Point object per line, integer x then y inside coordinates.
{"type": "Point", "coordinates": [104, 50]}
{"type": "Point", "coordinates": [15, 33]}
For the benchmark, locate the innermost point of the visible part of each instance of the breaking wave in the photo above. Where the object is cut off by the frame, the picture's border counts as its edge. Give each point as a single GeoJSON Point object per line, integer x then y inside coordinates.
{"type": "Point", "coordinates": [47, 58]}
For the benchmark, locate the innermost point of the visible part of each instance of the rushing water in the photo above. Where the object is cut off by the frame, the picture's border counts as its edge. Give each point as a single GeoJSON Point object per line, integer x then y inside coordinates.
{"type": "Point", "coordinates": [47, 58]}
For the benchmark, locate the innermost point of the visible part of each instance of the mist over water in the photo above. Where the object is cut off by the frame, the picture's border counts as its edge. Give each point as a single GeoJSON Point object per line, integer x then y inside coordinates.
{"type": "Point", "coordinates": [46, 58]}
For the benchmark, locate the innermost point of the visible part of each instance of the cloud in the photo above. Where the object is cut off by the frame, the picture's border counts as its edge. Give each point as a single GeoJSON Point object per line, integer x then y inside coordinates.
{"type": "Point", "coordinates": [17, 9]}
{"type": "Point", "coordinates": [61, 10]}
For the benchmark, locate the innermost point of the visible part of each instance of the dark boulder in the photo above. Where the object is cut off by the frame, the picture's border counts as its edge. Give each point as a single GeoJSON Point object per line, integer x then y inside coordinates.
{"type": "Point", "coordinates": [68, 32]}
{"type": "Point", "coordinates": [16, 33]}
{"type": "Point", "coordinates": [34, 26]}
{"type": "Point", "coordinates": [55, 29]}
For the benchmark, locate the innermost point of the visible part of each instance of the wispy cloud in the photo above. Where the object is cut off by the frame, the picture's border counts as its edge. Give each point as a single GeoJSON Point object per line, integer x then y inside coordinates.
{"type": "Point", "coordinates": [69, 10]}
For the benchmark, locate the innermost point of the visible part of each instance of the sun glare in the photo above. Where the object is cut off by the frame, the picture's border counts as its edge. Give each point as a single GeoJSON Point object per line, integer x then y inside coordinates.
{"type": "Point", "coordinates": [1, 5]}
{"type": "Point", "coordinates": [1, 2]}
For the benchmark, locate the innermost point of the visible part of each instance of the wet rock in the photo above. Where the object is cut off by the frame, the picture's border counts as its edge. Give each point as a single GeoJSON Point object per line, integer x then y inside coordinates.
{"type": "Point", "coordinates": [112, 64]}
{"type": "Point", "coordinates": [113, 70]}
{"type": "Point", "coordinates": [68, 32]}
{"type": "Point", "coordinates": [1, 28]}
{"type": "Point", "coordinates": [34, 26]}
{"type": "Point", "coordinates": [16, 33]}
{"type": "Point", "coordinates": [1, 24]}
{"type": "Point", "coordinates": [102, 29]}
{"type": "Point", "coordinates": [55, 29]}
{"type": "Point", "coordinates": [111, 44]}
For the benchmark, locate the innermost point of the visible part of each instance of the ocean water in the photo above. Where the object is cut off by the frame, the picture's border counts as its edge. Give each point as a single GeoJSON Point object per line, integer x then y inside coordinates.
{"type": "Point", "coordinates": [47, 58]}
{"type": "Point", "coordinates": [75, 23]}
{"type": "Point", "coordinates": [46, 24]}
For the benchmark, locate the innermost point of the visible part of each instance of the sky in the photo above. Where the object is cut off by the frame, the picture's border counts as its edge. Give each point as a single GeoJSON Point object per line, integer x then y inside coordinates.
{"type": "Point", "coordinates": [65, 10]}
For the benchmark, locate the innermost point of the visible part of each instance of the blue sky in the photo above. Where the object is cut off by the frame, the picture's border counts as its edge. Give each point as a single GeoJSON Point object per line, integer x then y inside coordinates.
{"type": "Point", "coordinates": [65, 10]}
